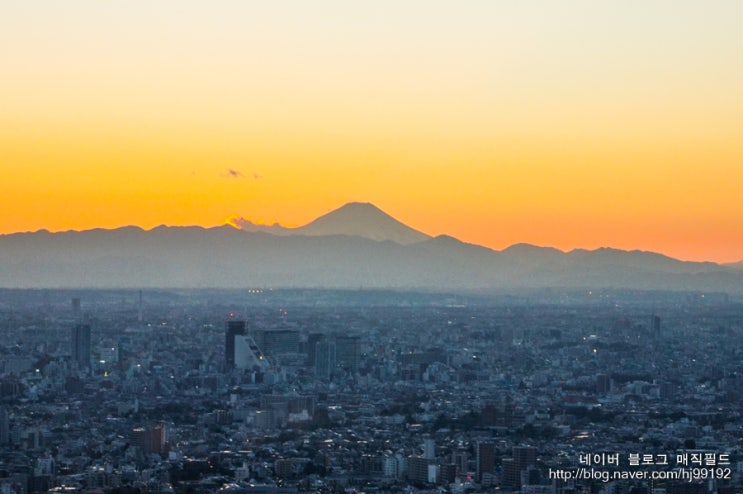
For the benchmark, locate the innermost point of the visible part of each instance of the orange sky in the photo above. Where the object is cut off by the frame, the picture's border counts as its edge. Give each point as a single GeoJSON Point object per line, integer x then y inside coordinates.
{"type": "Point", "coordinates": [569, 124]}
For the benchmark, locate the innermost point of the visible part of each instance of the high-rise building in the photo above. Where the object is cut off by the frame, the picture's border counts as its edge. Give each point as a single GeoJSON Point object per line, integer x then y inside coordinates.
{"type": "Point", "coordinates": [655, 326]}
{"type": "Point", "coordinates": [151, 439]}
{"type": "Point", "coordinates": [348, 352]}
{"type": "Point", "coordinates": [485, 459]}
{"type": "Point", "coordinates": [81, 345]}
{"type": "Point", "coordinates": [4, 426]}
{"type": "Point", "coordinates": [277, 341]}
{"type": "Point", "coordinates": [429, 448]}
{"type": "Point", "coordinates": [418, 469]}
{"type": "Point", "coordinates": [325, 359]}
{"type": "Point", "coordinates": [247, 355]}
{"type": "Point", "coordinates": [140, 314]}
{"type": "Point", "coordinates": [76, 307]}
{"type": "Point", "coordinates": [312, 340]}
{"type": "Point", "coordinates": [461, 460]}
{"type": "Point", "coordinates": [233, 328]}
{"type": "Point", "coordinates": [447, 474]}
{"type": "Point", "coordinates": [523, 457]}
{"type": "Point", "coordinates": [603, 384]}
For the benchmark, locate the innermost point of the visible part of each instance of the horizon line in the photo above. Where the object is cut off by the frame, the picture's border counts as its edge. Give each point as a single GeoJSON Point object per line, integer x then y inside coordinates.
{"type": "Point", "coordinates": [494, 249]}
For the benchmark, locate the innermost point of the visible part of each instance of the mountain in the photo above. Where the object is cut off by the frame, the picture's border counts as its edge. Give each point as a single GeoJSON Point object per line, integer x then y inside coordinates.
{"type": "Point", "coordinates": [363, 220]}
{"type": "Point", "coordinates": [735, 265]}
{"type": "Point", "coordinates": [356, 219]}
{"type": "Point", "coordinates": [355, 246]}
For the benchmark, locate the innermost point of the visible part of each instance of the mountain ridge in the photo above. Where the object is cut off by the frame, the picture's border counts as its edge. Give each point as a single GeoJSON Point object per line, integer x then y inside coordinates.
{"type": "Point", "coordinates": [332, 254]}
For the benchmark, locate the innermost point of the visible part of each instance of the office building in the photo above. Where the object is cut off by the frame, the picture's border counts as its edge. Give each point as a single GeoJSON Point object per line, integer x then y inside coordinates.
{"type": "Point", "coordinates": [233, 329]}
{"type": "Point", "coordinates": [151, 439]}
{"type": "Point", "coordinates": [277, 341]}
{"type": "Point", "coordinates": [246, 354]}
{"type": "Point", "coordinates": [312, 341]}
{"type": "Point", "coordinates": [523, 457]}
{"type": "Point", "coordinates": [81, 345]}
{"type": "Point", "coordinates": [325, 359]}
{"type": "Point", "coordinates": [348, 352]}
{"type": "Point", "coordinates": [4, 426]}
{"type": "Point", "coordinates": [485, 459]}
{"type": "Point", "coordinates": [655, 326]}
{"type": "Point", "coordinates": [429, 448]}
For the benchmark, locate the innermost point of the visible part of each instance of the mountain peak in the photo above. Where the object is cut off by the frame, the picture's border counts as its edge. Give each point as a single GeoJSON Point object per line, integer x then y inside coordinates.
{"type": "Point", "coordinates": [362, 219]}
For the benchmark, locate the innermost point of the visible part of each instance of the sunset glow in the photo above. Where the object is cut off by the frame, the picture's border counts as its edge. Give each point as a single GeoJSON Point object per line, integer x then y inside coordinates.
{"type": "Point", "coordinates": [574, 124]}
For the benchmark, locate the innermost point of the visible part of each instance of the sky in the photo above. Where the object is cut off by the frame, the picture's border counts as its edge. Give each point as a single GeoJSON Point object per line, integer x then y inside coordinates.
{"type": "Point", "coordinates": [571, 124]}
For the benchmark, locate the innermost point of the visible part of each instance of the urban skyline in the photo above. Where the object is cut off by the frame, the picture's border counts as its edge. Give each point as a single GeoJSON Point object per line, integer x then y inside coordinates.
{"type": "Point", "coordinates": [389, 391]}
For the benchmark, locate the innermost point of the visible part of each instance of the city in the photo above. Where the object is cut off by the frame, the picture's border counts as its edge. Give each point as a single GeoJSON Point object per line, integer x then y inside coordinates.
{"type": "Point", "coordinates": [545, 392]}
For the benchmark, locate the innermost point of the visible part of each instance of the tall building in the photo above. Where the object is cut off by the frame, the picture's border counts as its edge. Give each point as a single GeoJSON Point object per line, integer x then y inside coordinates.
{"type": "Point", "coordinates": [4, 426]}
{"type": "Point", "coordinates": [140, 314]}
{"type": "Point", "coordinates": [325, 359]}
{"type": "Point", "coordinates": [603, 384]}
{"type": "Point", "coordinates": [232, 329]}
{"type": "Point", "coordinates": [277, 341]}
{"type": "Point", "coordinates": [655, 326]}
{"type": "Point", "coordinates": [485, 459]}
{"type": "Point", "coordinates": [418, 469]}
{"type": "Point", "coordinates": [150, 440]}
{"type": "Point", "coordinates": [523, 457]}
{"type": "Point", "coordinates": [447, 474]}
{"type": "Point", "coordinates": [348, 352]}
{"type": "Point", "coordinates": [312, 340]}
{"type": "Point", "coordinates": [461, 460]}
{"type": "Point", "coordinates": [429, 448]}
{"type": "Point", "coordinates": [247, 355]}
{"type": "Point", "coordinates": [81, 345]}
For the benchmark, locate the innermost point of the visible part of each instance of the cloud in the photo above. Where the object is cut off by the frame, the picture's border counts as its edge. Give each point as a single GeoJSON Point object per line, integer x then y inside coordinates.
{"type": "Point", "coordinates": [232, 173]}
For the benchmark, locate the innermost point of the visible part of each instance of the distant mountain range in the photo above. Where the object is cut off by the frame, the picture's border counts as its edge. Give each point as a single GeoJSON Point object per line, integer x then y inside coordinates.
{"type": "Point", "coordinates": [357, 245]}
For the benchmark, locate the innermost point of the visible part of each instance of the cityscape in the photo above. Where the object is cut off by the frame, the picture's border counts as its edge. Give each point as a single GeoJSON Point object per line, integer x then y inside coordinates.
{"type": "Point", "coordinates": [260, 390]}
{"type": "Point", "coordinates": [371, 247]}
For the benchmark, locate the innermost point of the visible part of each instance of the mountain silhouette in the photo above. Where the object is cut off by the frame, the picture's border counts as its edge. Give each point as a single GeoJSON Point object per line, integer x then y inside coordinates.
{"type": "Point", "coordinates": [357, 219]}
{"type": "Point", "coordinates": [357, 245]}
{"type": "Point", "coordinates": [363, 220]}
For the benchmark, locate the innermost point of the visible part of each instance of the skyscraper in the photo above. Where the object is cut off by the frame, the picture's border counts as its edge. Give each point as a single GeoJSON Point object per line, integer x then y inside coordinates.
{"type": "Point", "coordinates": [81, 345]}
{"type": "Point", "coordinates": [485, 459]}
{"type": "Point", "coordinates": [655, 326]}
{"type": "Point", "coordinates": [348, 352]}
{"type": "Point", "coordinates": [325, 359]}
{"type": "Point", "coordinates": [277, 341]}
{"type": "Point", "coordinates": [140, 314]}
{"type": "Point", "coordinates": [312, 340]}
{"type": "Point", "coordinates": [233, 329]}
{"type": "Point", "coordinates": [429, 448]}
{"type": "Point", "coordinates": [4, 426]}
{"type": "Point", "coordinates": [522, 458]}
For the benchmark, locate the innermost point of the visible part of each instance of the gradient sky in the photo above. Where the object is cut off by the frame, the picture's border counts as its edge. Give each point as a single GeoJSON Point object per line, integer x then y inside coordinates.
{"type": "Point", "coordinates": [566, 124]}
